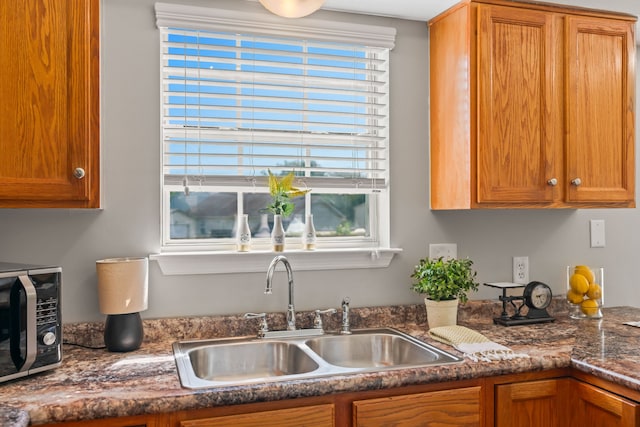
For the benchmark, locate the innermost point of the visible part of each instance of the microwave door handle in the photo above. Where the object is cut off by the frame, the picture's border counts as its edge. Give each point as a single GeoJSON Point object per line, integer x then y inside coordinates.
{"type": "Point", "coordinates": [31, 297]}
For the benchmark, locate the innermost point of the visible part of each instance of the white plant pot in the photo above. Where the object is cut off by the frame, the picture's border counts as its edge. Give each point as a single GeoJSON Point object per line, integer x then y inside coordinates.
{"type": "Point", "coordinates": [243, 234]}
{"type": "Point", "coordinates": [309, 234]}
{"type": "Point", "coordinates": [277, 234]}
{"type": "Point", "coordinates": [441, 313]}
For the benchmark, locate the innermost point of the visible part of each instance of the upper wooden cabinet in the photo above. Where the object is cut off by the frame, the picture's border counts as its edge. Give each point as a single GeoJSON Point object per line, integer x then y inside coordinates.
{"type": "Point", "coordinates": [49, 114]}
{"type": "Point", "coordinates": [532, 106]}
{"type": "Point", "coordinates": [600, 113]}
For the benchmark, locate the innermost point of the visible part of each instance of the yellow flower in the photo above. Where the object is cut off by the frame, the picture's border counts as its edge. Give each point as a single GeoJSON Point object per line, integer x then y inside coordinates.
{"type": "Point", "coordinates": [282, 190]}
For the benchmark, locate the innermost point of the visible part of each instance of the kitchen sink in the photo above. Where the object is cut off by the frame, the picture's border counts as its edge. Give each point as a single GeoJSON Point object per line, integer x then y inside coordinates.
{"type": "Point", "coordinates": [373, 350]}
{"type": "Point", "coordinates": [241, 361]}
{"type": "Point", "coordinates": [250, 360]}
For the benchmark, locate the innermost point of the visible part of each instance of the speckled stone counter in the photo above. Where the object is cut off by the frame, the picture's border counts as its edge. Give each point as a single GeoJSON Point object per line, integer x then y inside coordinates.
{"type": "Point", "coordinates": [12, 417]}
{"type": "Point", "coordinates": [96, 384]}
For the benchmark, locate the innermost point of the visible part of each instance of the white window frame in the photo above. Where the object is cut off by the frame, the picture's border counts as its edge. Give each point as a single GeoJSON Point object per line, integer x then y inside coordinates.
{"type": "Point", "coordinates": [202, 257]}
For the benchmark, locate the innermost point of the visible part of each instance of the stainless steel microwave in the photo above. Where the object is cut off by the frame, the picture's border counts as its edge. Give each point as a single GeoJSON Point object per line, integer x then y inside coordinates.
{"type": "Point", "coordinates": [30, 319]}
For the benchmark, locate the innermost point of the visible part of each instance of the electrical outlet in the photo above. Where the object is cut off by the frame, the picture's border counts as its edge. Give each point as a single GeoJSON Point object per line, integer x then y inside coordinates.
{"type": "Point", "coordinates": [445, 250]}
{"type": "Point", "coordinates": [521, 269]}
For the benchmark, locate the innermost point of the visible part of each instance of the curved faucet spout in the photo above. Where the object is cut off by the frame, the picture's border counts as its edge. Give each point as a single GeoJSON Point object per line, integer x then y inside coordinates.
{"type": "Point", "coordinates": [291, 311]}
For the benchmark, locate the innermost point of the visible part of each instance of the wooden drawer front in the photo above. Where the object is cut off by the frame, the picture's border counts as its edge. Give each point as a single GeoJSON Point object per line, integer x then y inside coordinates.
{"type": "Point", "coordinates": [132, 421]}
{"type": "Point", "coordinates": [311, 416]}
{"type": "Point", "coordinates": [459, 407]}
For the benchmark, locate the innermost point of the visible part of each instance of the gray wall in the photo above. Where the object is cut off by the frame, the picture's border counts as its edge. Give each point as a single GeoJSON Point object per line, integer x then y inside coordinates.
{"type": "Point", "coordinates": [129, 223]}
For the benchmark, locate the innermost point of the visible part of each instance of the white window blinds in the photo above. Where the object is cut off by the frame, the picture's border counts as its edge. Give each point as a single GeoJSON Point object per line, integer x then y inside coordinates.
{"type": "Point", "coordinates": [236, 104]}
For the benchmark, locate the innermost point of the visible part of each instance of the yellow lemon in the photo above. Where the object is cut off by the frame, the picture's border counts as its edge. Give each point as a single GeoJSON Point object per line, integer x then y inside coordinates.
{"type": "Point", "coordinates": [595, 291]}
{"type": "Point", "coordinates": [579, 284]}
{"type": "Point", "coordinates": [589, 307]}
{"type": "Point", "coordinates": [573, 297]}
{"type": "Point", "coordinates": [586, 272]}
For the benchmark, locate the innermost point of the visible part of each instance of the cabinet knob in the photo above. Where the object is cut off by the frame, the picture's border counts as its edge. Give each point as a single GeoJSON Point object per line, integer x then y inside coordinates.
{"type": "Point", "coordinates": [552, 182]}
{"type": "Point", "coordinates": [78, 173]}
{"type": "Point", "coordinates": [576, 181]}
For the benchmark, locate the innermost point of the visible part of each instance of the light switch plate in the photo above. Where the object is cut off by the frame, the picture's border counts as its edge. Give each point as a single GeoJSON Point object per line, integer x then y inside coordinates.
{"type": "Point", "coordinates": [445, 250]}
{"type": "Point", "coordinates": [597, 233]}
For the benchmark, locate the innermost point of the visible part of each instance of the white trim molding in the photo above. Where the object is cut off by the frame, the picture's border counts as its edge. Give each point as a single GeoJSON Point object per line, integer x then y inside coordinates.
{"type": "Point", "coordinates": [209, 18]}
{"type": "Point", "coordinates": [182, 263]}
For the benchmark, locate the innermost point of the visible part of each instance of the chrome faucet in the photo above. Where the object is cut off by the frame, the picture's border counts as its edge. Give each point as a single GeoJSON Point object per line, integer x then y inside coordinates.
{"type": "Point", "coordinates": [291, 311]}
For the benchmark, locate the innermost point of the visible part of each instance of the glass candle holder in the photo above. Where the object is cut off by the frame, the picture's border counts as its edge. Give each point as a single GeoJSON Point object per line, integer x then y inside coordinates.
{"type": "Point", "coordinates": [585, 291]}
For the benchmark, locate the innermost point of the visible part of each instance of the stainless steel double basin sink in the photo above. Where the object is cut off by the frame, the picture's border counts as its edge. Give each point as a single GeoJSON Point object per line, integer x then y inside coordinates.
{"type": "Point", "coordinates": [237, 361]}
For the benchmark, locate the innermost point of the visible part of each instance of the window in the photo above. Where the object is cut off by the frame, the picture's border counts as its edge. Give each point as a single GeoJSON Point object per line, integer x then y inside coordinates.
{"type": "Point", "coordinates": [240, 99]}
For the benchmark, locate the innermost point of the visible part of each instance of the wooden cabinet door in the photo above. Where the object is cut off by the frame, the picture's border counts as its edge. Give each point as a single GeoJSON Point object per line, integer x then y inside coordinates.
{"type": "Point", "coordinates": [519, 136]}
{"type": "Point", "coordinates": [450, 110]}
{"type": "Point", "coordinates": [532, 106]}
{"type": "Point", "coordinates": [133, 421]}
{"type": "Point", "coordinates": [595, 407]}
{"type": "Point", "coordinates": [49, 114]}
{"type": "Point", "coordinates": [311, 416]}
{"type": "Point", "coordinates": [459, 407]}
{"type": "Point", "coordinates": [600, 95]}
{"type": "Point", "coordinates": [541, 403]}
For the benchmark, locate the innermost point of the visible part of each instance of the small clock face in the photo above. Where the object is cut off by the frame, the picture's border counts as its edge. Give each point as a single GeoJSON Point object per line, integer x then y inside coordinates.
{"type": "Point", "coordinates": [537, 295]}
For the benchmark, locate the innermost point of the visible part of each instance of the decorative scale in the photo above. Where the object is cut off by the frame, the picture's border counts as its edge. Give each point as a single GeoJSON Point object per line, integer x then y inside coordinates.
{"type": "Point", "coordinates": [536, 296]}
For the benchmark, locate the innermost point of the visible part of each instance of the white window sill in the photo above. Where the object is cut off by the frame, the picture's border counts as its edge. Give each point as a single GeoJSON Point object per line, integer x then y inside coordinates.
{"type": "Point", "coordinates": [180, 263]}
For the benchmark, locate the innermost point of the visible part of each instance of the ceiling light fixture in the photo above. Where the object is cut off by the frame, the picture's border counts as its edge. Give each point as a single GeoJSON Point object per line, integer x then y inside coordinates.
{"type": "Point", "coordinates": [292, 8]}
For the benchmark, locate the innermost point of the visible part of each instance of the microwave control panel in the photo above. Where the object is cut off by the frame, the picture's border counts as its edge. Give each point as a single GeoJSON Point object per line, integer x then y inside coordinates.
{"type": "Point", "coordinates": [48, 318]}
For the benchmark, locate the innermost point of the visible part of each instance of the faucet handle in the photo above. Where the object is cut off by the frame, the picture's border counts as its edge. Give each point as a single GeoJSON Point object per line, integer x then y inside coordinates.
{"type": "Point", "coordinates": [317, 320]}
{"type": "Point", "coordinates": [346, 326]}
{"type": "Point", "coordinates": [264, 328]}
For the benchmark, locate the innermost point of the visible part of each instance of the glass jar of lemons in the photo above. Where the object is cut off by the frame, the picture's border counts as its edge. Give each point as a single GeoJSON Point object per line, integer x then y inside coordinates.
{"type": "Point", "coordinates": [585, 291]}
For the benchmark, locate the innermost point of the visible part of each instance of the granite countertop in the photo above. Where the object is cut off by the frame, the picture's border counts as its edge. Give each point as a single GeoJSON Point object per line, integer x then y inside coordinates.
{"type": "Point", "coordinates": [97, 384]}
{"type": "Point", "coordinates": [12, 417]}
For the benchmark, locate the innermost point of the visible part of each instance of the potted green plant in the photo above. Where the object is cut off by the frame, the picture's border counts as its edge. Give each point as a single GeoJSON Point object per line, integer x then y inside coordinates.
{"type": "Point", "coordinates": [280, 205]}
{"type": "Point", "coordinates": [444, 282]}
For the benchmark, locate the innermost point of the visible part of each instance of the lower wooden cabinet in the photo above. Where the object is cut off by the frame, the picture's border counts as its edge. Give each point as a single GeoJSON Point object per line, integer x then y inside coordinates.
{"type": "Point", "coordinates": [561, 397]}
{"type": "Point", "coordinates": [459, 407]}
{"type": "Point", "coordinates": [134, 421]}
{"type": "Point", "coordinates": [533, 403]}
{"type": "Point", "coordinates": [564, 402]}
{"type": "Point", "coordinates": [316, 415]}
{"type": "Point", "coordinates": [595, 407]}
